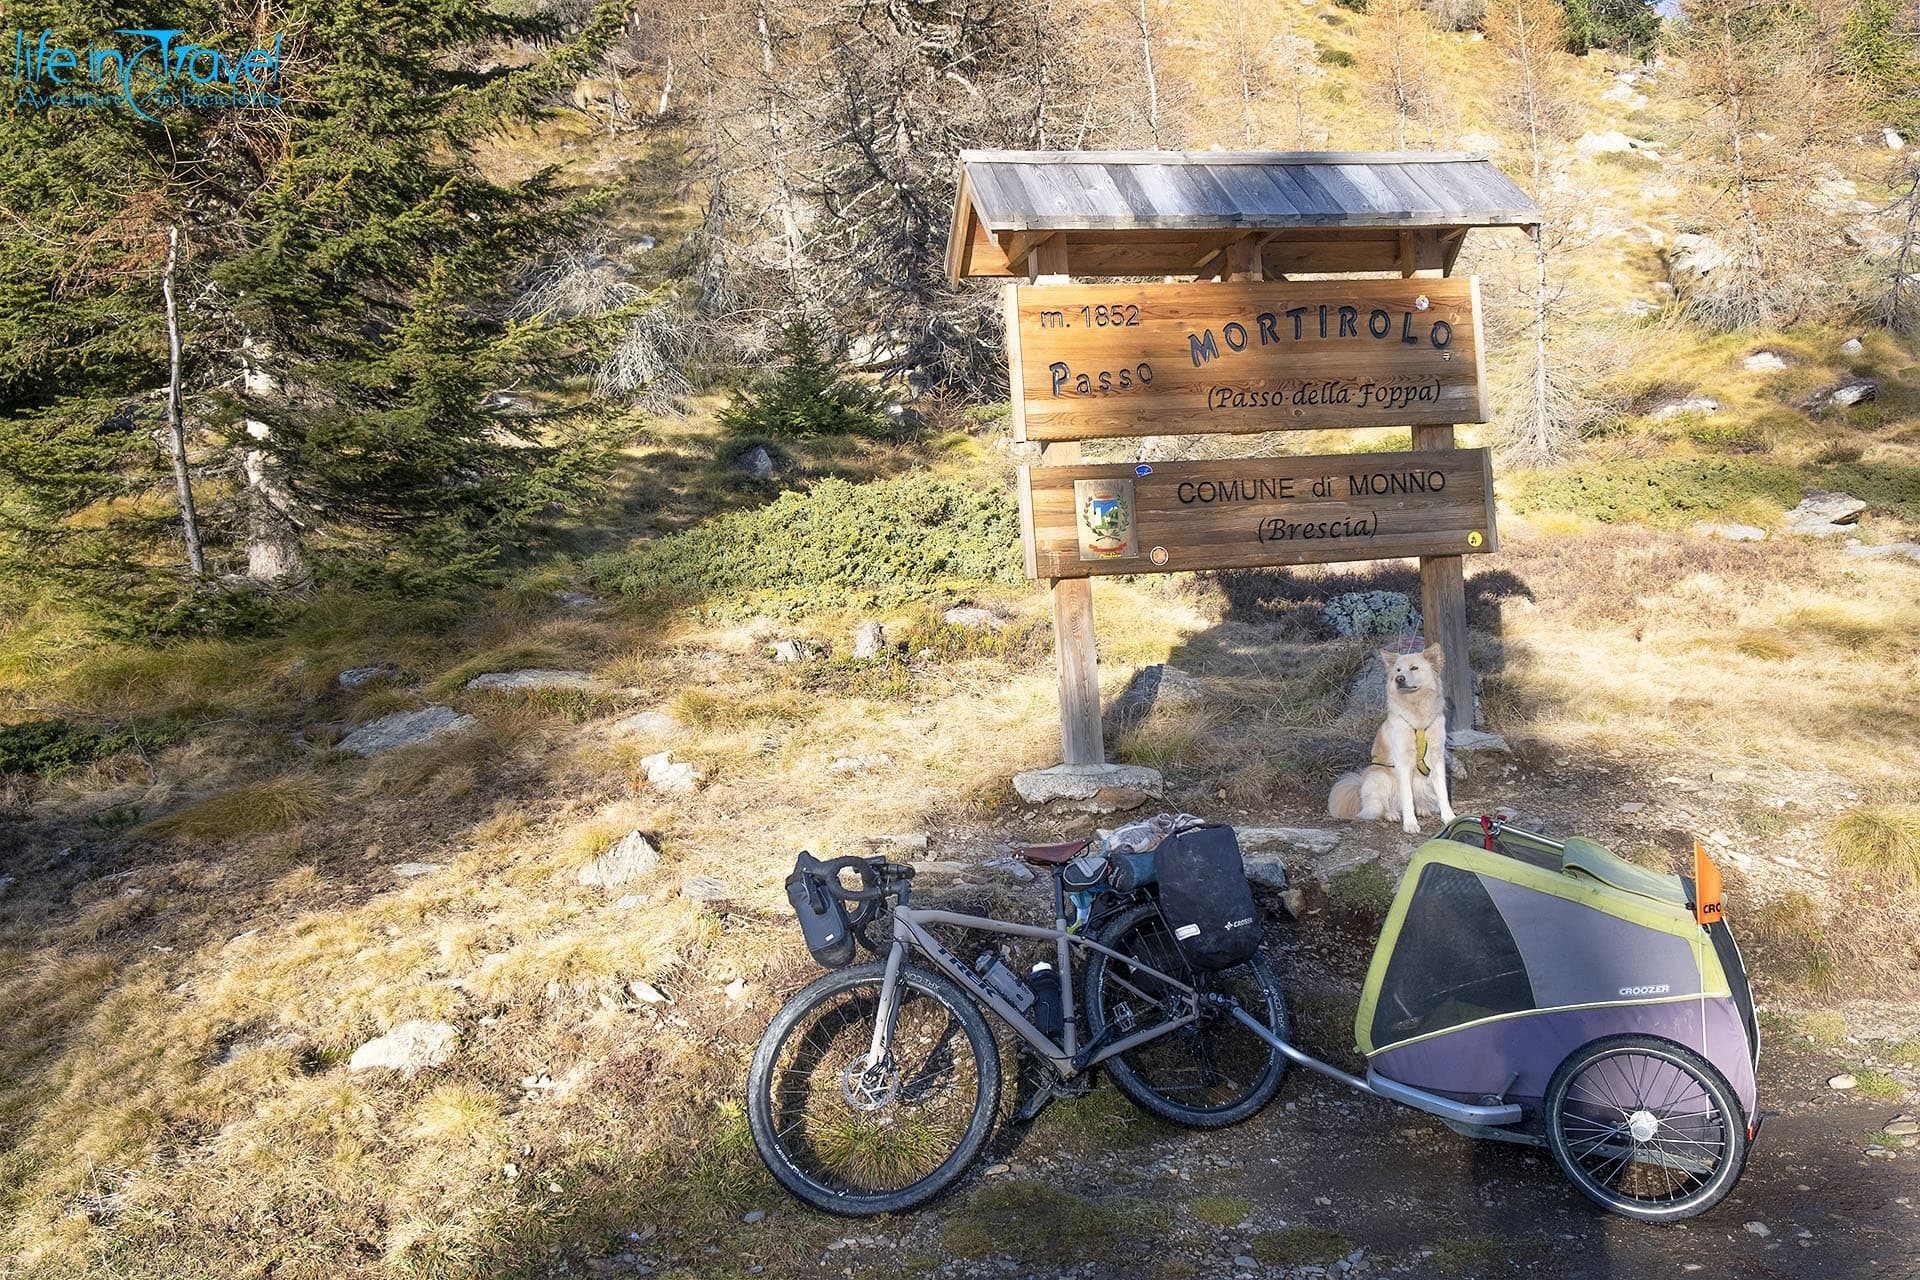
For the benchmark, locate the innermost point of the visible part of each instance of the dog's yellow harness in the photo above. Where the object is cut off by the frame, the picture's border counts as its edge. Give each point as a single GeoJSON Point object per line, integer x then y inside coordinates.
{"type": "Point", "coordinates": [1419, 754]}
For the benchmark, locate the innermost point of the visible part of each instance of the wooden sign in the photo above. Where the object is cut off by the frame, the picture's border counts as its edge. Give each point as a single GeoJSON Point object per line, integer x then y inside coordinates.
{"type": "Point", "coordinates": [1078, 521]}
{"type": "Point", "coordinates": [1092, 361]}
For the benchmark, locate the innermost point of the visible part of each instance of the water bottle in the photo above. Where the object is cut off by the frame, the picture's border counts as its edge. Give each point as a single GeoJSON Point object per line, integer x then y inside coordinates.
{"type": "Point", "coordinates": [1005, 981]}
{"type": "Point", "coordinates": [1048, 1012]}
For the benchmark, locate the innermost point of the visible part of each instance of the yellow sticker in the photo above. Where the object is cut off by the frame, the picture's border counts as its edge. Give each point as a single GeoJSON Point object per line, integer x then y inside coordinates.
{"type": "Point", "coordinates": [1158, 555]}
{"type": "Point", "coordinates": [1474, 539]}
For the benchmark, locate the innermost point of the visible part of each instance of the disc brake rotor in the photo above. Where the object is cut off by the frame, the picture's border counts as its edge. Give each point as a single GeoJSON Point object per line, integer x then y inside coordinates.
{"type": "Point", "coordinates": [869, 1088]}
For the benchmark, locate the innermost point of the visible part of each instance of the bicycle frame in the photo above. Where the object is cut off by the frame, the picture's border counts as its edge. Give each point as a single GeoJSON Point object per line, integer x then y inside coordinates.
{"type": "Point", "coordinates": [910, 930]}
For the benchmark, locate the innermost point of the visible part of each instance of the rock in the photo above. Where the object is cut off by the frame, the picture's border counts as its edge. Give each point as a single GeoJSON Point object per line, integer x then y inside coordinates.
{"type": "Point", "coordinates": [791, 650]}
{"type": "Point", "coordinates": [870, 640]}
{"type": "Point", "coordinates": [756, 463]}
{"type": "Point", "coordinates": [1633, 806]}
{"type": "Point", "coordinates": [1371, 613]}
{"type": "Point", "coordinates": [1699, 254]}
{"type": "Point", "coordinates": [704, 889]}
{"type": "Point", "coordinates": [1640, 308]}
{"type": "Point", "coordinates": [1607, 142]}
{"type": "Point", "coordinates": [1477, 142]}
{"type": "Point", "coordinates": [1265, 869]}
{"type": "Point", "coordinates": [754, 1215]}
{"type": "Point", "coordinates": [408, 870]}
{"type": "Point", "coordinates": [634, 856]}
{"type": "Point", "coordinates": [1764, 362]}
{"type": "Point", "coordinates": [1693, 404]}
{"type": "Point", "coordinates": [1909, 549]}
{"type": "Point", "coordinates": [1367, 695]}
{"type": "Point", "coordinates": [646, 993]}
{"type": "Point", "coordinates": [1893, 139]}
{"type": "Point", "coordinates": [1842, 1081]}
{"type": "Point", "coordinates": [411, 1046]}
{"type": "Point", "coordinates": [1013, 868]}
{"type": "Point", "coordinates": [1728, 532]}
{"type": "Point", "coordinates": [736, 990]}
{"type": "Point", "coordinates": [628, 901]}
{"type": "Point", "coordinates": [1821, 513]}
{"type": "Point", "coordinates": [654, 723]}
{"type": "Point", "coordinates": [576, 599]}
{"type": "Point", "coordinates": [1105, 788]}
{"type": "Point", "coordinates": [1851, 347]}
{"type": "Point", "coordinates": [1310, 839]}
{"type": "Point", "coordinates": [971, 617]}
{"type": "Point", "coordinates": [1477, 740]}
{"type": "Point", "coordinates": [532, 679]}
{"type": "Point", "coordinates": [913, 841]}
{"type": "Point", "coordinates": [1900, 1126]}
{"type": "Point", "coordinates": [665, 775]}
{"type": "Point", "coordinates": [1159, 684]}
{"type": "Point", "coordinates": [1245, 1260]}
{"type": "Point", "coordinates": [1294, 901]}
{"type": "Point", "coordinates": [404, 729]}
{"type": "Point", "coordinates": [1758, 1229]}
{"type": "Point", "coordinates": [1842, 395]}
{"type": "Point", "coordinates": [1624, 94]}
{"type": "Point", "coordinates": [361, 677]}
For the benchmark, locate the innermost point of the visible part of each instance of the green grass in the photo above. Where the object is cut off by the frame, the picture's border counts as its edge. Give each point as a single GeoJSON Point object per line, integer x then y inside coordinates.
{"type": "Point", "coordinates": [1036, 1223]}
{"type": "Point", "coordinates": [1221, 1211]}
{"type": "Point", "coordinates": [1878, 1084]}
{"type": "Point", "coordinates": [1664, 492]}
{"type": "Point", "coordinates": [1300, 1246]}
{"type": "Point", "coordinates": [1881, 841]}
{"type": "Point", "coordinates": [1365, 890]}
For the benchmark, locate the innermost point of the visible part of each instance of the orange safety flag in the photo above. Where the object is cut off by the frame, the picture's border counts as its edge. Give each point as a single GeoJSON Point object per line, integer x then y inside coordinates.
{"type": "Point", "coordinates": [1706, 887]}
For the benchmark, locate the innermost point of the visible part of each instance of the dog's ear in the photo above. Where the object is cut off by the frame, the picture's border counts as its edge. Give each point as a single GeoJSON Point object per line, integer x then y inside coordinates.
{"type": "Point", "coordinates": [1435, 655]}
{"type": "Point", "coordinates": [1387, 658]}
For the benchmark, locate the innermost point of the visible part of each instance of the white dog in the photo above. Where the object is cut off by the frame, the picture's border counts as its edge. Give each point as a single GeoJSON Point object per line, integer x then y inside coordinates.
{"type": "Point", "coordinates": [1409, 770]}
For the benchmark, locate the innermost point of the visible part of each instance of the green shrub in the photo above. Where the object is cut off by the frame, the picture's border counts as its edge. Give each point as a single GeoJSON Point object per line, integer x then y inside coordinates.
{"type": "Point", "coordinates": [807, 397]}
{"type": "Point", "coordinates": [1667, 493]}
{"type": "Point", "coordinates": [1337, 57]}
{"type": "Point", "coordinates": [889, 539]}
{"type": "Point", "coordinates": [49, 748]}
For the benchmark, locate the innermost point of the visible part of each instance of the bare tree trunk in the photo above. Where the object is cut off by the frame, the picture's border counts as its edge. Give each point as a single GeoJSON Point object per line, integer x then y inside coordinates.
{"type": "Point", "coordinates": [790, 223]}
{"type": "Point", "coordinates": [273, 536]}
{"type": "Point", "coordinates": [666, 89]}
{"type": "Point", "coordinates": [1153, 87]}
{"type": "Point", "coordinates": [1544, 445]}
{"type": "Point", "coordinates": [176, 419]}
{"type": "Point", "coordinates": [1730, 51]}
{"type": "Point", "coordinates": [1902, 281]}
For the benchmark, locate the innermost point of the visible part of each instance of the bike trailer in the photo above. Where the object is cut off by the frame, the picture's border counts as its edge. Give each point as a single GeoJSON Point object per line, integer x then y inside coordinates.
{"type": "Point", "coordinates": [1506, 952]}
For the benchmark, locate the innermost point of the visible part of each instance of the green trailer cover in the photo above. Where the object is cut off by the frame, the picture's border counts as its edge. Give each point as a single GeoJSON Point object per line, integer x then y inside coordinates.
{"type": "Point", "coordinates": [1476, 935]}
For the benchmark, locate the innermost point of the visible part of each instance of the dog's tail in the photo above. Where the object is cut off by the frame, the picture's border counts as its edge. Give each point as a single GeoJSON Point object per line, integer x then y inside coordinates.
{"type": "Point", "coordinates": [1344, 800]}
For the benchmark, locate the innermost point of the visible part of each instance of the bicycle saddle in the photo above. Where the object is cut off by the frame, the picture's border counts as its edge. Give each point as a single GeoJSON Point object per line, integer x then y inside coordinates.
{"type": "Point", "coordinates": [1054, 855]}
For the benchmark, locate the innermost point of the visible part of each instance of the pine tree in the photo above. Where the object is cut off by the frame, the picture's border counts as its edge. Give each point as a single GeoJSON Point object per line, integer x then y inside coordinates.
{"type": "Point", "coordinates": [805, 397]}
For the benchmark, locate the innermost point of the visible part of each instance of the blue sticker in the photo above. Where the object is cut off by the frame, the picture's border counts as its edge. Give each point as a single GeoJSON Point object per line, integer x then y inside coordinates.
{"type": "Point", "coordinates": [1143, 470]}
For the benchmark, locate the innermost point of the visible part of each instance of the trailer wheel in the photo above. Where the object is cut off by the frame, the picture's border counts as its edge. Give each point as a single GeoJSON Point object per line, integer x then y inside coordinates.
{"type": "Point", "coordinates": [1645, 1127]}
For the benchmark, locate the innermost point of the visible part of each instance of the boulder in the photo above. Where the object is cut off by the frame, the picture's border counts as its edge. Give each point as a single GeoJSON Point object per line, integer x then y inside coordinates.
{"type": "Point", "coordinates": [1728, 532]}
{"type": "Point", "coordinates": [1851, 347]}
{"type": "Point", "coordinates": [1698, 254]}
{"type": "Point", "coordinates": [404, 729]}
{"type": "Point", "coordinates": [1607, 142]}
{"type": "Point", "coordinates": [361, 677]}
{"type": "Point", "coordinates": [870, 640]}
{"type": "Point", "coordinates": [1099, 788]}
{"type": "Point", "coordinates": [1371, 613]}
{"type": "Point", "coordinates": [409, 870]}
{"type": "Point", "coordinates": [1265, 869]}
{"type": "Point", "coordinates": [859, 764]}
{"type": "Point", "coordinates": [1911, 550]}
{"type": "Point", "coordinates": [632, 857]}
{"type": "Point", "coordinates": [1891, 137]}
{"type": "Point", "coordinates": [532, 679]}
{"type": "Point", "coordinates": [1692, 404]}
{"type": "Point", "coordinates": [576, 599]}
{"type": "Point", "coordinates": [1823, 514]}
{"type": "Point", "coordinates": [756, 463]}
{"type": "Point", "coordinates": [1765, 362]}
{"type": "Point", "coordinates": [1842, 395]}
{"type": "Point", "coordinates": [791, 650]}
{"type": "Point", "coordinates": [411, 1046]}
{"type": "Point", "coordinates": [654, 723]}
{"type": "Point", "coordinates": [971, 617]}
{"type": "Point", "coordinates": [1469, 751]}
{"type": "Point", "coordinates": [704, 889]}
{"type": "Point", "coordinates": [665, 775]}
{"type": "Point", "coordinates": [1307, 839]}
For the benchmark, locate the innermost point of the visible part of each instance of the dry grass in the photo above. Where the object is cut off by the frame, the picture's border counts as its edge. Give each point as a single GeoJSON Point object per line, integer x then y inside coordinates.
{"type": "Point", "coordinates": [255, 809]}
{"type": "Point", "coordinates": [1881, 842]}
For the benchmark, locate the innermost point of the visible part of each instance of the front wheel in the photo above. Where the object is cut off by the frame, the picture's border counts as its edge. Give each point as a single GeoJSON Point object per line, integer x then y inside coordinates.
{"type": "Point", "coordinates": [1645, 1127]}
{"type": "Point", "coordinates": [856, 1137]}
{"type": "Point", "coordinates": [1208, 1074]}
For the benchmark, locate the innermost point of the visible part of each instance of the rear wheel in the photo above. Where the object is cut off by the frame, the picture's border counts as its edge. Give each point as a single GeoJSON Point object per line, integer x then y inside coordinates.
{"type": "Point", "coordinates": [1208, 1074]}
{"type": "Point", "coordinates": [1645, 1127]}
{"type": "Point", "coordinates": [856, 1137]}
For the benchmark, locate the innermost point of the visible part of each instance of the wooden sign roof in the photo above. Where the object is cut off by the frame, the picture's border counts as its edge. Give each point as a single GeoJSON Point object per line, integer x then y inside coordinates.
{"type": "Point", "coordinates": [1142, 213]}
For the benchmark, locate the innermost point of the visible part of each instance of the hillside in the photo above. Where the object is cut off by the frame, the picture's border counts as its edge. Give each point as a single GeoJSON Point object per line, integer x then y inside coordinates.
{"type": "Point", "coordinates": [211, 902]}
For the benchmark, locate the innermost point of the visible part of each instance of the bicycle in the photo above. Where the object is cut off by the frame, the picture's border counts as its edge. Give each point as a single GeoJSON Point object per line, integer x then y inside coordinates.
{"type": "Point", "coordinates": [876, 1087]}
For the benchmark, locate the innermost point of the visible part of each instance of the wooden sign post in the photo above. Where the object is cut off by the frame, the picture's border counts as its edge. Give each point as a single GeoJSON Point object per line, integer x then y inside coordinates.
{"type": "Point", "coordinates": [1230, 351]}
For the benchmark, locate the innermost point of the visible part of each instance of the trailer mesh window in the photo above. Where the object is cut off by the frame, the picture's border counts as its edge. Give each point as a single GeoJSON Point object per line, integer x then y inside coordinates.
{"type": "Point", "coordinates": [1453, 962]}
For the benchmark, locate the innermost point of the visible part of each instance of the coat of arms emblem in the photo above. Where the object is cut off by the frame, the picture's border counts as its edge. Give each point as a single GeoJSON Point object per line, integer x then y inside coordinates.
{"type": "Point", "coordinates": [1106, 519]}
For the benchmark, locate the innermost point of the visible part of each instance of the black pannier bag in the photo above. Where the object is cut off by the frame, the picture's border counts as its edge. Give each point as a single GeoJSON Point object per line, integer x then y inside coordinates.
{"type": "Point", "coordinates": [823, 917]}
{"type": "Point", "coordinates": [1205, 897]}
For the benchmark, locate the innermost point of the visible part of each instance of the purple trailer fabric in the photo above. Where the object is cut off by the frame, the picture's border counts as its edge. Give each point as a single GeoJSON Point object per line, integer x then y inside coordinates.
{"type": "Point", "coordinates": [1578, 955]}
{"type": "Point", "coordinates": [1470, 1062]}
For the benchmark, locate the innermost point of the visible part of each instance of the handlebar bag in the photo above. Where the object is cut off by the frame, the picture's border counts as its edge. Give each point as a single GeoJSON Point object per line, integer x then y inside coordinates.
{"type": "Point", "coordinates": [1205, 897]}
{"type": "Point", "coordinates": [823, 916]}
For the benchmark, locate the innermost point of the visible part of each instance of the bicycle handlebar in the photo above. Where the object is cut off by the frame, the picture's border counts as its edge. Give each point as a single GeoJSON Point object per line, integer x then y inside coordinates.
{"type": "Point", "coordinates": [874, 882]}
